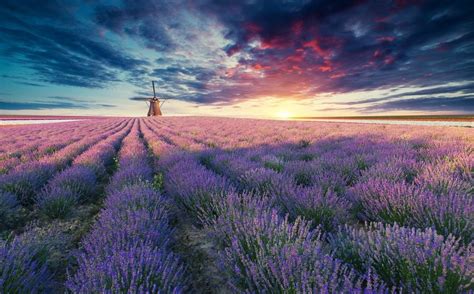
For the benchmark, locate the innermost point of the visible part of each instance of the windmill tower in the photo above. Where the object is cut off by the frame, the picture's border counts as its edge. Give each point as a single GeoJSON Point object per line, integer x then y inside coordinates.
{"type": "Point", "coordinates": [155, 105]}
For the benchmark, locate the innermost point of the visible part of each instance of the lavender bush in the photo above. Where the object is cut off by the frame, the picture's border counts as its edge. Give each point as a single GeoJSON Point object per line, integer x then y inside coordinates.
{"type": "Point", "coordinates": [137, 269]}
{"type": "Point", "coordinates": [57, 202]}
{"type": "Point", "coordinates": [195, 188]}
{"type": "Point", "coordinates": [413, 260]}
{"type": "Point", "coordinates": [269, 254]}
{"type": "Point", "coordinates": [79, 180]}
{"type": "Point", "coordinates": [261, 180]}
{"type": "Point", "coordinates": [409, 205]}
{"type": "Point", "coordinates": [127, 250]}
{"type": "Point", "coordinates": [20, 271]}
{"type": "Point", "coordinates": [324, 209]}
{"type": "Point", "coordinates": [9, 210]}
{"type": "Point", "coordinates": [382, 200]}
{"type": "Point", "coordinates": [26, 180]}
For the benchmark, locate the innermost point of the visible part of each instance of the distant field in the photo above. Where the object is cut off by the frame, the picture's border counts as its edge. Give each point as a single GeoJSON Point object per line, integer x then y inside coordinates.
{"type": "Point", "coordinates": [462, 118]}
{"type": "Point", "coordinates": [214, 205]}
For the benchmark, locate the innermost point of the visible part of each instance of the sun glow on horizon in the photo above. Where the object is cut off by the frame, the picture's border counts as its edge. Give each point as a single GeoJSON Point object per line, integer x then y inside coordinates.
{"type": "Point", "coordinates": [284, 114]}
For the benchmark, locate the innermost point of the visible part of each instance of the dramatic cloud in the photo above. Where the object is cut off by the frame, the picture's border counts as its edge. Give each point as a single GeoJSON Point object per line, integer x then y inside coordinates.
{"type": "Point", "coordinates": [37, 105]}
{"type": "Point", "coordinates": [442, 104]}
{"type": "Point", "coordinates": [222, 53]}
{"type": "Point", "coordinates": [59, 48]}
{"type": "Point", "coordinates": [66, 104]}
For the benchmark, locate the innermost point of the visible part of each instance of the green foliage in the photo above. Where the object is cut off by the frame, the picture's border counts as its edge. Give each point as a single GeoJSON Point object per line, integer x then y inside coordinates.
{"type": "Point", "coordinates": [304, 143]}
{"type": "Point", "coordinates": [274, 165]}
{"type": "Point", "coordinates": [303, 179]}
{"type": "Point", "coordinates": [50, 150]}
{"type": "Point", "coordinates": [157, 182]}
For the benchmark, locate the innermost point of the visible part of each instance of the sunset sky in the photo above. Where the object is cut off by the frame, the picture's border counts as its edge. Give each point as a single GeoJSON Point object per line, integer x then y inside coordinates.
{"type": "Point", "coordinates": [247, 58]}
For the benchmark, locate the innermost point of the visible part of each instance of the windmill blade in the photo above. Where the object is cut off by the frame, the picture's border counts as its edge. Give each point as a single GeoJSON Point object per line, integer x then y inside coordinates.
{"type": "Point", "coordinates": [154, 93]}
{"type": "Point", "coordinates": [140, 98]}
{"type": "Point", "coordinates": [163, 102]}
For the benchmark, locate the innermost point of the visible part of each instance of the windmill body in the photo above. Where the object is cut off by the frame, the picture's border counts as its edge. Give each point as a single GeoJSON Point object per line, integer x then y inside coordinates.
{"type": "Point", "coordinates": [154, 109]}
{"type": "Point", "coordinates": [155, 104]}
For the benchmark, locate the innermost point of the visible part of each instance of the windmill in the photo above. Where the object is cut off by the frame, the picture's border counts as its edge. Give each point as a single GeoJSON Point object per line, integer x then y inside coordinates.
{"type": "Point", "coordinates": [154, 103]}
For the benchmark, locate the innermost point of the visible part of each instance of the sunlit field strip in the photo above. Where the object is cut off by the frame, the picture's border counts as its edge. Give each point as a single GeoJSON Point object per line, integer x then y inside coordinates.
{"type": "Point", "coordinates": [14, 156]}
{"type": "Point", "coordinates": [15, 145]}
{"type": "Point", "coordinates": [15, 136]}
{"type": "Point", "coordinates": [27, 179]}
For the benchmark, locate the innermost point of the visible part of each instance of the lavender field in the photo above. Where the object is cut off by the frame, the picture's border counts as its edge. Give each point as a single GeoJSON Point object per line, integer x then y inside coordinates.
{"type": "Point", "coordinates": [220, 205]}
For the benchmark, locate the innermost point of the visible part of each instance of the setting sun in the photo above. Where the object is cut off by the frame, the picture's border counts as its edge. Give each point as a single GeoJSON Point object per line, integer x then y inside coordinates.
{"type": "Point", "coordinates": [284, 114]}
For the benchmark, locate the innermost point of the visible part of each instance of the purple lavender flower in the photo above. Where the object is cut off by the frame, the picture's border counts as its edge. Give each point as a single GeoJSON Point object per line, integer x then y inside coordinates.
{"type": "Point", "coordinates": [322, 208]}
{"type": "Point", "coordinates": [234, 209]}
{"type": "Point", "coordinates": [138, 269]}
{"type": "Point", "coordinates": [445, 178]}
{"type": "Point", "coordinates": [129, 175]}
{"type": "Point", "coordinates": [408, 205]}
{"type": "Point", "coordinates": [57, 201]}
{"type": "Point", "coordinates": [25, 180]}
{"type": "Point", "coordinates": [20, 272]}
{"type": "Point", "coordinates": [9, 210]}
{"type": "Point", "coordinates": [270, 254]}
{"type": "Point", "coordinates": [414, 260]}
{"type": "Point", "coordinates": [399, 168]}
{"type": "Point", "coordinates": [195, 188]}
{"type": "Point", "coordinates": [79, 180]}
{"type": "Point", "coordinates": [136, 197]}
{"type": "Point", "coordinates": [448, 214]}
{"type": "Point", "coordinates": [382, 200]}
{"type": "Point", "coordinates": [262, 180]}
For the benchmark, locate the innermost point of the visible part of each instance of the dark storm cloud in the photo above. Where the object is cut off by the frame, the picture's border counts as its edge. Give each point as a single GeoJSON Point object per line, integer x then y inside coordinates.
{"type": "Point", "coordinates": [467, 88]}
{"type": "Point", "coordinates": [59, 48]}
{"type": "Point", "coordinates": [344, 46]}
{"type": "Point", "coordinates": [8, 105]}
{"type": "Point", "coordinates": [67, 98]}
{"type": "Point", "coordinates": [139, 98]}
{"type": "Point", "coordinates": [424, 93]}
{"type": "Point", "coordinates": [70, 103]}
{"type": "Point", "coordinates": [457, 104]}
{"type": "Point", "coordinates": [30, 84]}
{"type": "Point", "coordinates": [139, 19]}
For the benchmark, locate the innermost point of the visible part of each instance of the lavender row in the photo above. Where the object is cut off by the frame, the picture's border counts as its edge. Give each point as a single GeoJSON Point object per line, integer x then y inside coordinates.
{"type": "Point", "coordinates": [26, 149]}
{"type": "Point", "coordinates": [203, 205]}
{"type": "Point", "coordinates": [414, 260]}
{"type": "Point", "coordinates": [127, 249]}
{"type": "Point", "coordinates": [31, 261]}
{"type": "Point", "coordinates": [241, 133]}
{"type": "Point", "coordinates": [27, 179]}
{"type": "Point", "coordinates": [80, 182]}
{"type": "Point", "coordinates": [430, 261]}
{"type": "Point", "coordinates": [207, 197]}
{"type": "Point", "coordinates": [257, 248]}
{"type": "Point", "coordinates": [376, 182]}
